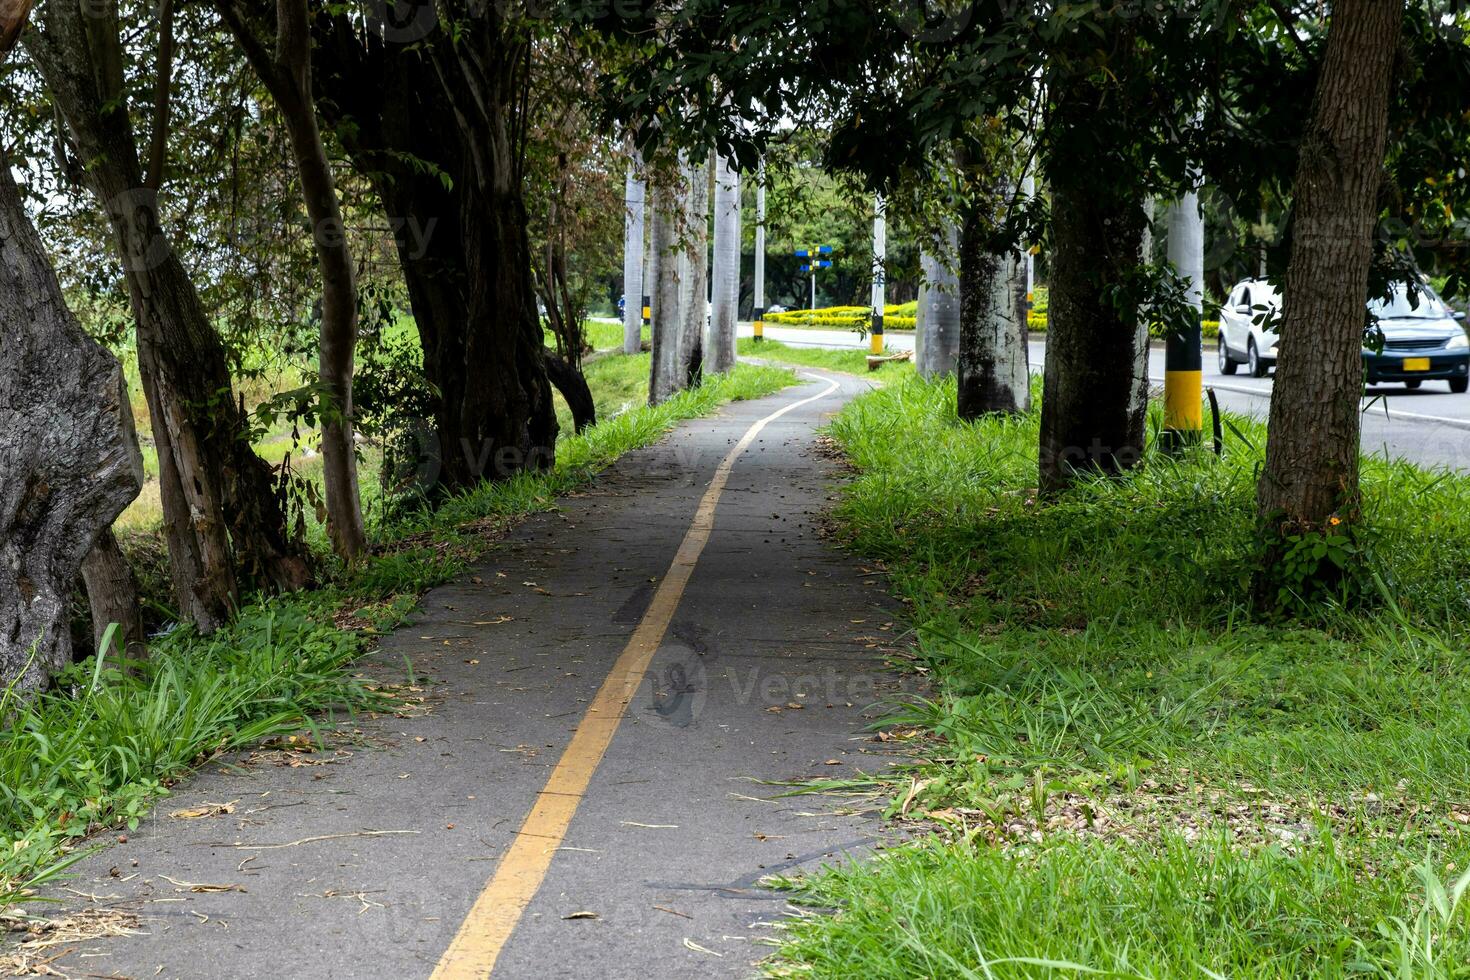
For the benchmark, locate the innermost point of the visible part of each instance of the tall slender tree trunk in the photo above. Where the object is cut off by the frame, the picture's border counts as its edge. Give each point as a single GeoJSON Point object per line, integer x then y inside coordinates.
{"type": "Point", "coordinates": [994, 374]}
{"type": "Point", "coordinates": [1312, 447]}
{"type": "Point", "coordinates": [696, 285]}
{"type": "Point", "coordinates": [937, 326]}
{"type": "Point", "coordinates": [286, 72]}
{"type": "Point", "coordinates": [563, 315]}
{"type": "Point", "coordinates": [719, 352]}
{"type": "Point", "coordinates": [224, 522]}
{"type": "Point", "coordinates": [69, 459]}
{"type": "Point", "coordinates": [633, 199]}
{"type": "Point", "coordinates": [668, 290]}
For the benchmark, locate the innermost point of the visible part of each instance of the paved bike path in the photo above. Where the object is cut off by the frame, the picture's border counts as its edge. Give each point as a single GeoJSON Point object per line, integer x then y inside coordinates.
{"type": "Point", "coordinates": [364, 860]}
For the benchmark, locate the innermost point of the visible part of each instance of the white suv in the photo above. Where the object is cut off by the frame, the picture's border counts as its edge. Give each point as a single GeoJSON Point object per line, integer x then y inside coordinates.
{"type": "Point", "coordinates": [1252, 306]}
{"type": "Point", "coordinates": [1422, 339]}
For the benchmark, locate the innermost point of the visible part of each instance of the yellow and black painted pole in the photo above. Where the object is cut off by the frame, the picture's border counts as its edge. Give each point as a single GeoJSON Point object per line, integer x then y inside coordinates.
{"type": "Point", "coordinates": [1184, 417]}
{"type": "Point", "coordinates": [760, 253]}
{"type": "Point", "coordinates": [1183, 357]}
{"type": "Point", "coordinates": [647, 310]}
{"type": "Point", "coordinates": [880, 254]}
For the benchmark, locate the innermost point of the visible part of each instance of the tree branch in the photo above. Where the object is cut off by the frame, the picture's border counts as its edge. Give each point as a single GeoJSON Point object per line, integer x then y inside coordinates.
{"type": "Point", "coordinates": [1288, 22]}
{"type": "Point", "coordinates": [162, 97]}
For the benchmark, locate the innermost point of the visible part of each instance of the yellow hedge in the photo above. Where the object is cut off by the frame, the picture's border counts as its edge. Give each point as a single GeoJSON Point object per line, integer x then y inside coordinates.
{"type": "Point", "coordinates": [899, 318]}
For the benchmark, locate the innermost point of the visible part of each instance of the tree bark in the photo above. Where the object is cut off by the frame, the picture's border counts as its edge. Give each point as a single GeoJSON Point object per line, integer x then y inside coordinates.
{"type": "Point", "coordinates": [668, 310]}
{"type": "Point", "coordinates": [112, 595]}
{"type": "Point", "coordinates": [937, 326]}
{"type": "Point", "coordinates": [69, 459]}
{"type": "Point", "coordinates": [1312, 446]}
{"type": "Point", "coordinates": [719, 353]}
{"type": "Point", "coordinates": [633, 199]}
{"type": "Point", "coordinates": [1095, 387]}
{"type": "Point", "coordinates": [994, 374]}
{"type": "Point", "coordinates": [435, 123]}
{"type": "Point", "coordinates": [1095, 384]}
{"type": "Point", "coordinates": [286, 72]}
{"type": "Point", "coordinates": [572, 384]}
{"type": "Point", "coordinates": [696, 281]}
{"type": "Point", "coordinates": [224, 522]}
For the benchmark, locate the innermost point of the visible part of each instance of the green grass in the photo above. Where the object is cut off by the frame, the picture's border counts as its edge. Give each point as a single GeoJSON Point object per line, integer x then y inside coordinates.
{"type": "Point", "coordinates": [1139, 774]}
{"type": "Point", "coordinates": [104, 744]}
{"type": "Point", "coordinates": [849, 361]}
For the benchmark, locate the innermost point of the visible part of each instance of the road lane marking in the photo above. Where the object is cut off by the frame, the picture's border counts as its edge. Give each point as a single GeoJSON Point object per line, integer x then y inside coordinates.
{"type": "Point", "coordinates": [1368, 404]}
{"type": "Point", "coordinates": [499, 907]}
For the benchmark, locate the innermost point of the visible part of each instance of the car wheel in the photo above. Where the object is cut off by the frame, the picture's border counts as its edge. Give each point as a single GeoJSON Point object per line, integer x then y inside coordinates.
{"type": "Point", "coordinates": [1227, 366]}
{"type": "Point", "coordinates": [1253, 359]}
{"type": "Point", "coordinates": [1414, 385]}
{"type": "Point", "coordinates": [1459, 385]}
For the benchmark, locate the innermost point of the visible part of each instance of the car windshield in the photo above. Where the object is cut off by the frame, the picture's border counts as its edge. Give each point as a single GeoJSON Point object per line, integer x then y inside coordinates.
{"type": "Point", "coordinates": [1423, 305]}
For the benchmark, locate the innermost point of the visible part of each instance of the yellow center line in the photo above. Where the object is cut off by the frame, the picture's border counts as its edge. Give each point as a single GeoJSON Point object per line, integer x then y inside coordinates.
{"type": "Point", "coordinates": [520, 872]}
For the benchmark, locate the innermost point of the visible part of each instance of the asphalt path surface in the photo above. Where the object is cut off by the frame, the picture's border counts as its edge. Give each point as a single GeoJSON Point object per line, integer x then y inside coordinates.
{"type": "Point", "coordinates": [364, 859]}
{"type": "Point", "coordinates": [1429, 427]}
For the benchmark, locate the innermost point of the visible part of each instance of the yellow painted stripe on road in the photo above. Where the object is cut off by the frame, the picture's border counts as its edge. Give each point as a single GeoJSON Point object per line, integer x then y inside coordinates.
{"type": "Point", "coordinates": [496, 912]}
{"type": "Point", "coordinates": [1183, 400]}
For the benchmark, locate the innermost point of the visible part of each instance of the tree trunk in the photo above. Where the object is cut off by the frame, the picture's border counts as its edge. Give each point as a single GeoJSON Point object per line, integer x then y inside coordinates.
{"type": "Point", "coordinates": [574, 388]}
{"type": "Point", "coordinates": [668, 310]}
{"type": "Point", "coordinates": [435, 123]}
{"type": "Point", "coordinates": [937, 326]}
{"type": "Point", "coordinates": [696, 281]}
{"type": "Point", "coordinates": [1095, 386]}
{"type": "Point", "coordinates": [719, 353]}
{"type": "Point", "coordinates": [1312, 448]}
{"type": "Point", "coordinates": [69, 459]}
{"type": "Point", "coordinates": [994, 374]}
{"type": "Point", "coordinates": [286, 72]}
{"type": "Point", "coordinates": [112, 595]}
{"type": "Point", "coordinates": [224, 522]}
{"type": "Point", "coordinates": [1095, 389]}
{"type": "Point", "coordinates": [633, 195]}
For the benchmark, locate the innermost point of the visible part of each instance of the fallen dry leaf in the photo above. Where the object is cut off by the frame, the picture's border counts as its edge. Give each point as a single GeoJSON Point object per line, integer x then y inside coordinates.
{"type": "Point", "coordinates": [204, 810]}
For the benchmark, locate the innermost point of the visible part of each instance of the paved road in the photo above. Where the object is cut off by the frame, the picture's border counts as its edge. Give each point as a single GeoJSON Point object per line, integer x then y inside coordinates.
{"type": "Point", "coordinates": [365, 860]}
{"type": "Point", "coordinates": [1430, 426]}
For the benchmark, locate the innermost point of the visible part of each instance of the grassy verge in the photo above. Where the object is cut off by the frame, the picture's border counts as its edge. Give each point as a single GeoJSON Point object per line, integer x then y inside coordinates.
{"type": "Point", "coordinates": [1132, 774]}
{"type": "Point", "coordinates": [99, 749]}
{"type": "Point", "coordinates": [848, 361]}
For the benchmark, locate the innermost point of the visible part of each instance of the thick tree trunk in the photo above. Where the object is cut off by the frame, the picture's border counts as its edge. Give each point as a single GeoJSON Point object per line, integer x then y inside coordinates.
{"type": "Point", "coordinates": [668, 290]}
{"type": "Point", "coordinates": [719, 348]}
{"type": "Point", "coordinates": [1095, 389]}
{"type": "Point", "coordinates": [937, 326]}
{"type": "Point", "coordinates": [69, 459]}
{"type": "Point", "coordinates": [435, 123]}
{"type": "Point", "coordinates": [112, 595]}
{"type": "Point", "coordinates": [696, 282]}
{"type": "Point", "coordinates": [633, 195]}
{"type": "Point", "coordinates": [286, 72]}
{"type": "Point", "coordinates": [994, 374]}
{"type": "Point", "coordinates": [224, 522]}
{"type": "Point", "coordinates": [1312, 448]}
